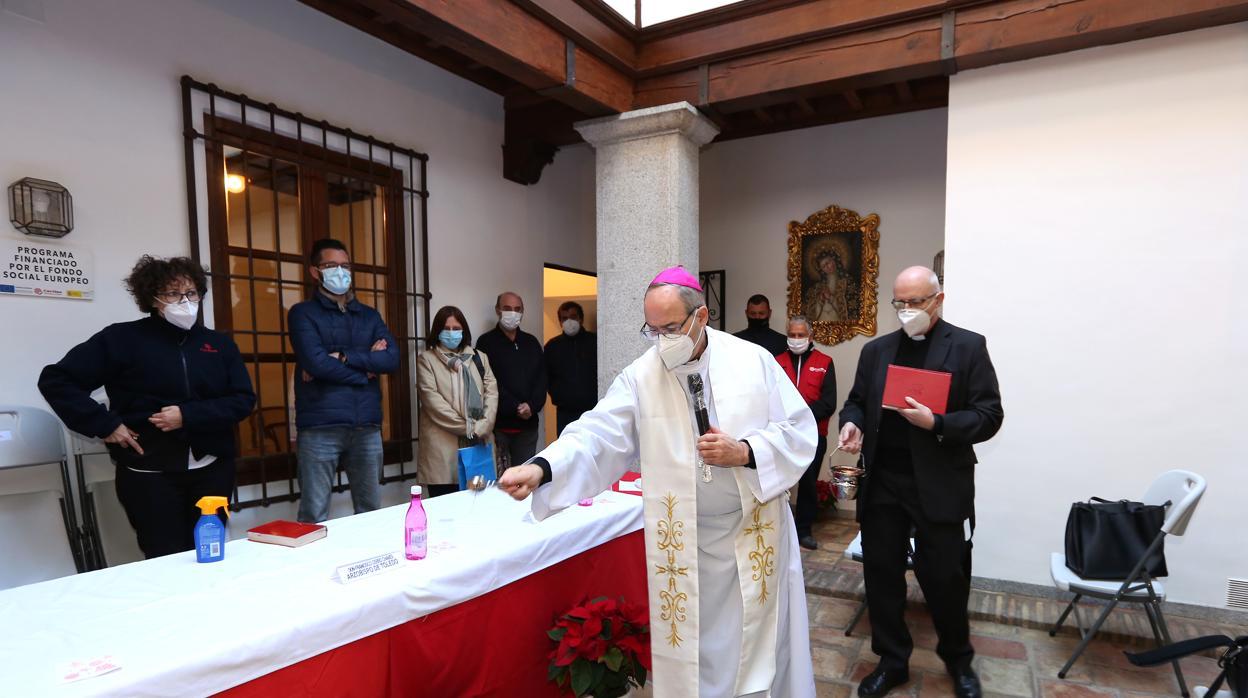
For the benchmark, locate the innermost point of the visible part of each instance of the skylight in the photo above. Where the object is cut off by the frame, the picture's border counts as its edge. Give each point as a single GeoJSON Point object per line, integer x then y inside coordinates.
{"type": "Point", "coordinates": [656, 11]}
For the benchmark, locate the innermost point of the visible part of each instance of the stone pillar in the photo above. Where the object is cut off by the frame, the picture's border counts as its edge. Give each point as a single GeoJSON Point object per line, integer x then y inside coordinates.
{"type": "Point", "coordinates": [647, 209]}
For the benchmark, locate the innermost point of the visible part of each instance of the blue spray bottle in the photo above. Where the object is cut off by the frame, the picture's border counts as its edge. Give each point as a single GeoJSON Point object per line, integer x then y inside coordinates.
{"type": "Point", "coordinates": [209, 531]}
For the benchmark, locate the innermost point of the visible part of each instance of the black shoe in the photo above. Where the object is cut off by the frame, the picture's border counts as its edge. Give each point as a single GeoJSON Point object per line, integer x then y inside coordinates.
{"type": "Point", "coordinates": [808, 542]}
{"type": "Point", "coordinates": [966, 683]}
{"type": "Point", "coordinates": [881, 681]}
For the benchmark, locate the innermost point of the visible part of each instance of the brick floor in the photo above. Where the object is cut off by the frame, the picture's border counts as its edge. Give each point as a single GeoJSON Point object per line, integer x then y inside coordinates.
{"type": "Point", "coordinates": [1014, 654]}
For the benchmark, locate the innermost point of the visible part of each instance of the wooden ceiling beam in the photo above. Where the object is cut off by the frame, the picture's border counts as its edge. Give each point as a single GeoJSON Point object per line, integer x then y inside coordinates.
{"type": "Point", "coordinates": [508, 39]}
{"type": "Point", "coordinates": [787, 24]}
{"type": "Point", "coordinates": [874, 57]}
{"type": "Point", "coordinates": [983, 35]}
{"type": "Point", "coordinates": [904, 94]}
{"type": "Point", "coordinates": [852, 99]}
{"type": "Point", "coordinates": [615, 45]}
{"type": "Point", "coordinates": [1015, 30]}
{"type": "Point", "coordinates": [399, 36]}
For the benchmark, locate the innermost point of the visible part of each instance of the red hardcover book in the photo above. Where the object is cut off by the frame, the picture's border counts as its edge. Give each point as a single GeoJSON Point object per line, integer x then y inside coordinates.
{"type": "Point", "coordinates": [630, 483]}
{"type": "Point", "coordinates": [930, 388]}
{"type": "Point", "coordinates": [289, 533]}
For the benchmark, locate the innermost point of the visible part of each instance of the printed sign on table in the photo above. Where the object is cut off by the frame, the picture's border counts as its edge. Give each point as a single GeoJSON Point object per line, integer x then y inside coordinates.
{"type": "Point", "coordinates": [45, 270]}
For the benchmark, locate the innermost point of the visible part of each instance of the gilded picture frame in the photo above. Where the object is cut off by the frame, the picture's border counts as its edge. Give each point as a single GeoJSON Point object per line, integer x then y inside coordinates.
{"type": "Point", "coordinates": [834, 269]}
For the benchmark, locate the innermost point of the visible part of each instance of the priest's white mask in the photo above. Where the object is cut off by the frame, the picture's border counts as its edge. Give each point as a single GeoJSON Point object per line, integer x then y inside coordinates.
{"type": "Point", "coordinates": [677, 351]}
{"type": "Point", "coordinates": [915, 322]}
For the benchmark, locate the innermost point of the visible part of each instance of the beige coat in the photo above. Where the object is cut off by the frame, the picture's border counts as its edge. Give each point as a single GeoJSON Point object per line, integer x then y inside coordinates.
{"type": "Point", "coordinates": [442, 423]}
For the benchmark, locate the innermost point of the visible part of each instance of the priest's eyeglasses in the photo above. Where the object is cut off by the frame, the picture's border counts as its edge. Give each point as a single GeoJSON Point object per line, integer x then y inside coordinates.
{"type": "Point", "coordinates": [671, 331]}
{"type": "Point", "coordinates": [171, 297]}
{"type": "Point", "coordinates": [913, 303]}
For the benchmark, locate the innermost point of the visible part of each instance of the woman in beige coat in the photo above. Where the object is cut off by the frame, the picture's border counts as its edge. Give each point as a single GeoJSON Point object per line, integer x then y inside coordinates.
{"type": "Point", "coordinates": [458, 401]}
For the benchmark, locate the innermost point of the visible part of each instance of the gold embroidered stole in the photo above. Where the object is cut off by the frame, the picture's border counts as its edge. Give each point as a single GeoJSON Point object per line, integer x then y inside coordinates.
{"type": "Point", "coordinates": [669, 491]}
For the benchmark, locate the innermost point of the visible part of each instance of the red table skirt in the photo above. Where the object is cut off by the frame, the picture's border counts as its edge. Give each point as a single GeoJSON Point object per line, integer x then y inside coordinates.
{"type": "Point", "coordinates": [493, 645]}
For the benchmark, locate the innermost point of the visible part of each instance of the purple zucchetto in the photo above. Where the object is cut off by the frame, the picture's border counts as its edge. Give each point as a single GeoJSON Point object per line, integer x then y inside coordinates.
{"type": "Point", "coordinates": [679, 276]}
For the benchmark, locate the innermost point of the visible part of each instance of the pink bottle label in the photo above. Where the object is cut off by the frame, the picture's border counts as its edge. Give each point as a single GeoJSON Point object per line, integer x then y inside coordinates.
{"type": "Point", "coordinates": [416, 538]}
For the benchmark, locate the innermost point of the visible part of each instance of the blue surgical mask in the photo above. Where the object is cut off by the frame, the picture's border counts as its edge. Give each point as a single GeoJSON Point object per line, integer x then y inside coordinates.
{"type": "Point", "coordinates": [451, 339]}
{"type": "Point", "coordinates": [336, 280]}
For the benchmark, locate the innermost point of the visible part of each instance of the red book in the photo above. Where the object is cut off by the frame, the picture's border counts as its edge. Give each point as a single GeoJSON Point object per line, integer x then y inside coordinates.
{"type": "Point", "coordinates": [930, 388]}
{"type": "Point", "coordinates": [630, 484]}
{"type": "Point", "coordinates": [289, 533]}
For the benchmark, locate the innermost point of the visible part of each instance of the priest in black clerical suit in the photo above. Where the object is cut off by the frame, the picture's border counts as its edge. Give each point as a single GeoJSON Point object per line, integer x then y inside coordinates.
{"type": "Point", "coordinates": [920, 478]}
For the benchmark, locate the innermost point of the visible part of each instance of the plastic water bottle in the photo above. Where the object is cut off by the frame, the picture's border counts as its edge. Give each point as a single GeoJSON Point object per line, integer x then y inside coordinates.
{"type": "Point", "coordinates": [416, 528]}
{"type": "Point", "coordinates": [209, 531]}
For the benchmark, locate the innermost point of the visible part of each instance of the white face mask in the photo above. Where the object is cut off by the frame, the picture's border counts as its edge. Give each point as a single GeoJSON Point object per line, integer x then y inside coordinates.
{"type": "Point", "coordinates": [181, 315]}
{"type": "Point", "coordinates": [914, 321]}
{"type": "Point", "coordinates": [510, 319]}
{"type": "Point", "coordinates": [571, 327]}
{"type": "Point", "coordinates": [677, 351]}
{"type": "Point", "coordinates": [799, 346]}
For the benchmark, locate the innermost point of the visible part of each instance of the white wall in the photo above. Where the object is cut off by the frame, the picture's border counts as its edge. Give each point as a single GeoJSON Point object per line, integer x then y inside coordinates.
{"type": "Point", "coordinates": [752, 188]}
{"type": "Point", "coordinates": [91, 100]}
{"type": "Point", "coordinates": [1097, 209]}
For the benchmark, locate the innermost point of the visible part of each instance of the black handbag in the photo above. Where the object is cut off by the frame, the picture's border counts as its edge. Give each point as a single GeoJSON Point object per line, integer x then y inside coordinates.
{"type": "Point", "coordinates": [1233, 662]}
{"type": "Point", "coordinates": [1105, 540]}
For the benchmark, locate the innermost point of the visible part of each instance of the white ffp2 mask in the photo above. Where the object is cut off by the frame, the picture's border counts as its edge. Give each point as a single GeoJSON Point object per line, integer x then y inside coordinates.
{"type": "Point", "coordinates": [677, 351]}
{"type": "Point", "coordinates": [914, 321]}
{"type": "Point", "coordinates": [181, 315]}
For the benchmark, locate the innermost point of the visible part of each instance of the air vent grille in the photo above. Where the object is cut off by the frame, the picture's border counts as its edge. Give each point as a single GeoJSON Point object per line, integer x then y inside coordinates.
{"type": "Point", "coordinates": [1237, 593]}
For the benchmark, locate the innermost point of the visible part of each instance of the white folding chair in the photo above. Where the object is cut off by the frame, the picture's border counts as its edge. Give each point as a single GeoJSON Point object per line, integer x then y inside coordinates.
{"type": "Point", "coordinates": [1183, 490]}
{"type": "Point", "coordinates": [853, 551]}
{"type": "Point", "coordinates": [29, 495]}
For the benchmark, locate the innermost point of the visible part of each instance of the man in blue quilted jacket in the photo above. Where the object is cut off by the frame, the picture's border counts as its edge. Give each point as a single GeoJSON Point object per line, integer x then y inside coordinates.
{"type": "Point", "coordinates": [341, 346]}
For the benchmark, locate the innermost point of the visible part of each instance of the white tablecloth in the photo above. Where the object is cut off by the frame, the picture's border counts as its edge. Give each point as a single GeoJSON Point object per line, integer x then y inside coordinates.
{"type": "Point", "coordinates": [179, 628]}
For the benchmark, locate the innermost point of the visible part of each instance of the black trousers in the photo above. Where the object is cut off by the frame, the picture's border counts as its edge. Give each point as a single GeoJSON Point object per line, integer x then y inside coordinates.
{"type": "Point", "coordinates": [431, 491]}
{"type": "Point", "coordinates": [942, 564]}
{"type": "Point", "coordinates": [161, 506]}
{"type": "Point", "coordinates": [807, 492]}
{"type": "Point", "coordinates": [566, 415]}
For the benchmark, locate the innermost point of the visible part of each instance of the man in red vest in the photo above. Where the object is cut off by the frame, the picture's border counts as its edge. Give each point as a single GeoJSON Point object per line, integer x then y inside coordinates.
{"type": "Point", "coordinates": [815, 377]}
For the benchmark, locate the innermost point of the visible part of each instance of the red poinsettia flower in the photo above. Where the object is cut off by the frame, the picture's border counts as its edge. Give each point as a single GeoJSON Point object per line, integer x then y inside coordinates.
{"type": "Point", "coordinates": [636, 614]}
{"type": "Point", "coordinates": [597, 635]}
{"type": "Point", "coordinates": [639, 645]}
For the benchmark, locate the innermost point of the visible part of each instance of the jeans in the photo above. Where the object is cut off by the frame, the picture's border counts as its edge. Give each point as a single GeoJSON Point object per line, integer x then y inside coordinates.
{"type": "Point", "coordinates": [514, 449]}
{"type": "Point", "coordinates": [161, 506]}
{"type": "Point", "coordinates": [320, 451]}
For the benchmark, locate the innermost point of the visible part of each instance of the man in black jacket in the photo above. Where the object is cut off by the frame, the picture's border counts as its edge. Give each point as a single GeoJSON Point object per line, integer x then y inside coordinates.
{"type": "Point", "coordinates": [921, 476]}
{"type": "Point", "coordinates": [758, 315]}
{"type": "Point", "coordinates": [516, 359]}
{"type": "Point", "coordinates": [572, 366]}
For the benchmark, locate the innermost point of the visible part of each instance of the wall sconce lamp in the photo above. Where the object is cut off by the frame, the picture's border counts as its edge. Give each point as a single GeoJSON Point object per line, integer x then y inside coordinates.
{"type": "Point", "coordinates": [235, 184]}
{"type": "Point", "coordinates": [40, 207]}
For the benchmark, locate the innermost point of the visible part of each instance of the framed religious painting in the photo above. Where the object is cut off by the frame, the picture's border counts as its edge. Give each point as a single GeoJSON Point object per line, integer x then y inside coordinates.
{"type": "Point", "coordinates": [834, 269]}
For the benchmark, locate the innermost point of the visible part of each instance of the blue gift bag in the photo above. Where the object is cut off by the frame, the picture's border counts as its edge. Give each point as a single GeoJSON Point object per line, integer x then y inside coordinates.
{"type": "Point", "coordinates": [476, 460]}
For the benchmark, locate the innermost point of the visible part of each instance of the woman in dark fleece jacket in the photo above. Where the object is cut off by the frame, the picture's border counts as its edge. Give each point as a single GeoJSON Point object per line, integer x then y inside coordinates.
{"type": "Point", "coordinates": [176, 390]}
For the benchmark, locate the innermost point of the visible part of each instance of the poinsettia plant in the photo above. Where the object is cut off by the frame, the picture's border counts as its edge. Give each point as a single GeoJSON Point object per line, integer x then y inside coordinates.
{"type": "Point", "coordinates": [825, 495]}
{"type": "Point", "coordinates": [602, 648]}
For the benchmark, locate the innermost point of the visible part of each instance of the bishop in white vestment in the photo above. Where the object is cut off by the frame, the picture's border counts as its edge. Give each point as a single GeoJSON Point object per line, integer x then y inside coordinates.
{"type": "Point", "coordinates": [727, 599]}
